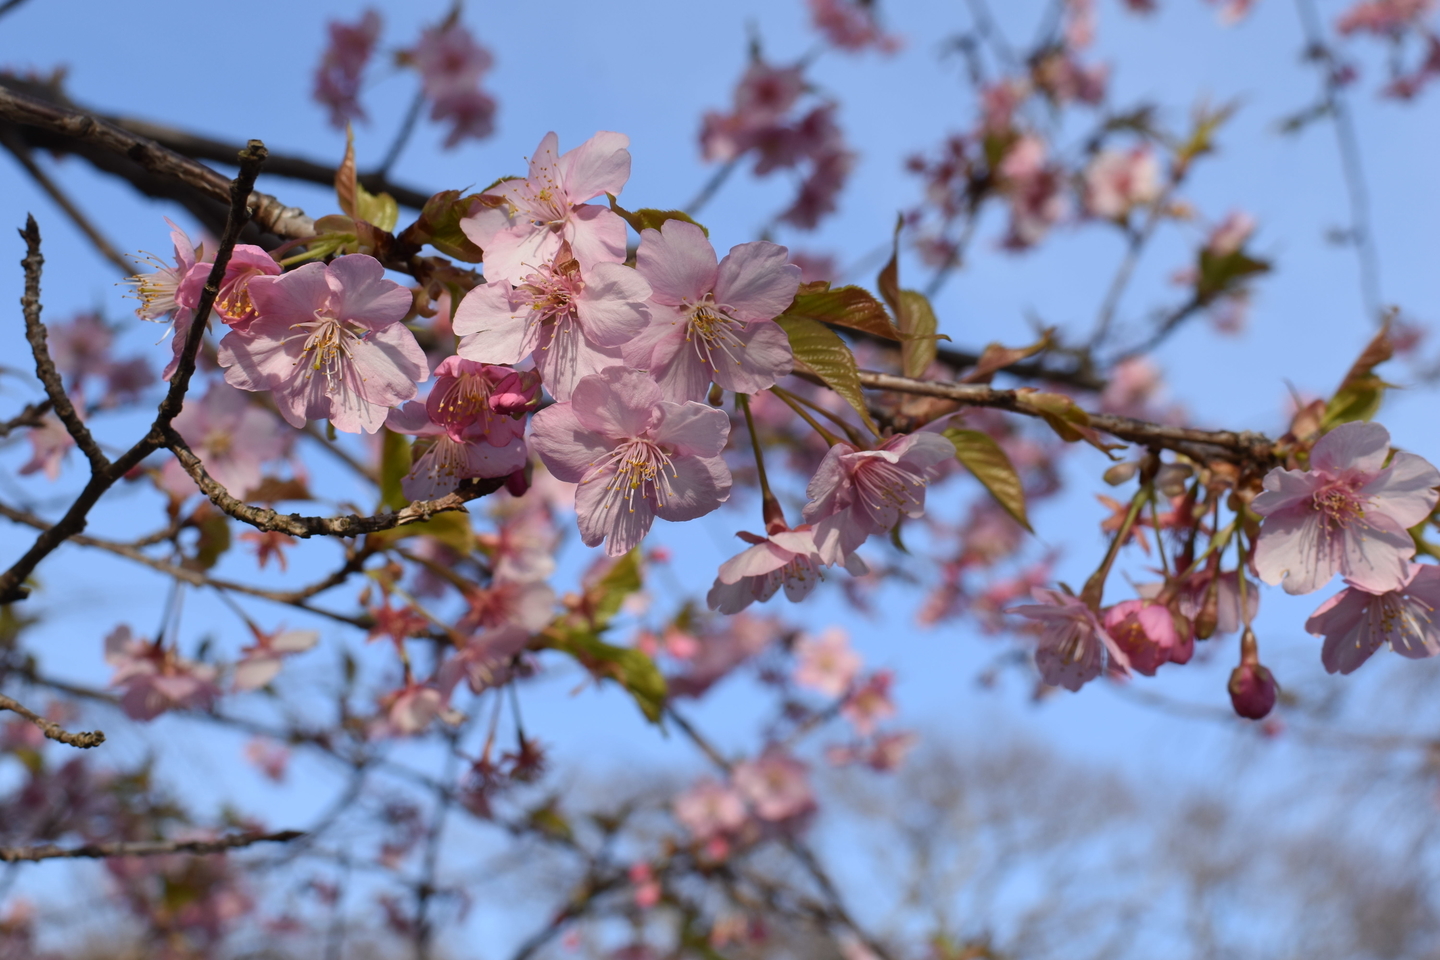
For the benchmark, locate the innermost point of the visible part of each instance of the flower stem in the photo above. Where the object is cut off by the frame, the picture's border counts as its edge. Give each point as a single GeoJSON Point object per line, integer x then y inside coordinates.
{"type": "Point", "coordinates": [770, 507]}
{"type": "Point", "coordinates": [1095, 587]}
{"type": "Point", "coordinates": [850, 431]}
{"type": "Point", "coordinates": [830, 438]}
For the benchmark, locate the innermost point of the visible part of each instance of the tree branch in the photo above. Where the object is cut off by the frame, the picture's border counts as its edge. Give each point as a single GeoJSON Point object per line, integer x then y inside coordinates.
{"type": "Point", "coordinates": [144, 848]}
{"type": "Point", "coordinates": [32, 416]}
{"type": "Point", "coordinates": [62, 200]}
{"type": "Point", "coordinates": [44, 366]}
{"type": "Point", "coordinates": [84, 740]}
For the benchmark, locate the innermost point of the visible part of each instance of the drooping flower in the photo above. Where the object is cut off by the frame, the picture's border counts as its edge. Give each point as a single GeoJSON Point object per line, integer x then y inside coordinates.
{"type": "Point", "coordinates": [723, 648]}
{"type": "Point", "coordinates": [260, 663]}
{"type": "Point", "coordinates": [442, 459]}
{"type": "Point", "coordinates": [337, 79]}
{"type": "Point", "coordinates": [709, 809]}
{"type": "Point", "coordinates": [483, 661]}
{"type": "Point", "coordinates": [328, 342]}
{"type": "Point", "coordinates": [1145, 631]}
{"type": "Point", "coordinates": [231, 436]}
{"type": "Point", "coordinates": [776, 786]}
{"type": "Point", "coordinates": [573, 319]}
{"type": "Point", "coordinates": [1253, 690]}
{"type": "Point", "coordinates": [1347, 514]}
{"type": "Point", "coordinates": [1033, 186]}
{"type": "Point", "coordinates": [712, 321]}
{"type": "Point", "coordinates": [155, 678]}
{"type": "Point", "coordinates": [525, 221]}
{"type": "Point", "coordinates": [856, 493]}
{"type": "Point", "coordinates": [826, 663]}
{"type": "Point", "coordinates": [635, 456]}
{"type": "Point", "coordinates": [1074, 647]}
{"type": "Point", "coordinates": [1356, 622]}
{"type": "Point", "coordinates": [787, 558]}
{"type": "Point", "coordinates": [451, 64]}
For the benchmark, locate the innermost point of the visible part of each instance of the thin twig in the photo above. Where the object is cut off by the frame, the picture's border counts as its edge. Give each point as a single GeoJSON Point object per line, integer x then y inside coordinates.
{"type": "Point", "coordinates": [63, 201]}
{"type": "Point", "coordinates": [711, 187]}
{"type": "Point", "coordinates": [144, 848]}
{"type": "Point", "coordinates": [9, 5]}
{"type": "Point", "coordinates": [402, 136]}
{"type": "Point", "coordinates": [32, 416]}
{"type": "Point", "coordinates": [84, 740]}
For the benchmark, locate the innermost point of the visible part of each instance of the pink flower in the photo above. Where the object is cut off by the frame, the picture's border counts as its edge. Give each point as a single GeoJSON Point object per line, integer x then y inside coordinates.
{"type": "Point", "coordinates": [1145, 631]}
{"type": "Point", "coordinates": [468, 394]}
{"type": "Point", "coordinates": [81, 348]}
{"type": "Point", "coordinates": [49, 443]}
{"type": "Point", "coordinates": [572, 319]}
{"type": "Point", "coordinates": [1230, 234]}
{"type": "Point", "coordinates": [155, 678]}
{"type": "Point", "coordinates": [173, 292]}
{"type": "Point", "coordinates": [712, 321]}
{"type": "Point", "coordinates": [1074, 647]}
{"type": "Point", "coordinates": [442, 460]}
{"type": "Point", "coordinates": [721, 651]}
{"type": "Point", "coordinates": [709, 809]}
{"type": "Point", "coordinates": [787, 558]}
{"type": "Point", "coordinates": [826, 663]}
{"type": "Point", "coordinates": [1349, 513]}
{"type": "Point", "coordinates": [234, 304]}
{"type": "Point", "coordinates": [870, 704]}
{"type": "Point", "coordinates": [526, 220]}
{"type": "Point", "coordinates": [449, 59]}
{"type": "Point", "coordinates": [525, 603]}
{"type": "Point", "coordinates": [856, 493]}
{"type": "Point", "coordinates": [647, 888]}
{"type": "Point", "coordinates": [635, 456]}
{"type": "Point", "coordinates": [1033, 186]}
{"type": "Point", "coordinates": [470, 113]}
{"type": "Point", "coordinates": [411, 709]}
{"type": "Point", "coordinates": [272, 758]}
{"type": "Point", "coordinates": [329, 343]}
{"type": "Point", "coordinates": [1116, 183]}
{"type": "Point", "coordinates": [484, 661]}
{"type": "Point", "coordinates": [337, 79]}
{"type": "Point", "coordinates": [1383, 17]}
{"type": "Point", "coordinates": [260, 663]}
{"type": "Point", "coordinates": [851, 25]}
{"type": "Point", "coordinates": [1356, 622]}
{"type": "Point", "coordinates": [231, 436]}
{"type": "Point", "coordinates": [776, 786]}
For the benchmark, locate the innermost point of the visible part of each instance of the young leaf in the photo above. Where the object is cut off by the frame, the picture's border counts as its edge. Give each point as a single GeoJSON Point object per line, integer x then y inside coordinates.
{"type": "Point", "coordinates": [917, 323]}
{"type": "Point", "coordinates": [357, 202]}
{"type": "Point", "coordinates": [394, 465]}
{"type": "Point", "coordinates": [1360, 393]}
{"type": "Point", "coordinates": [605, 597]}
{"type": "Point", "coordinates": [852, 307]}
{"type": "Point", "coordinates": [629, 667]}
{"type": "Point", "coordinates": [1221, 273]}
{"type": "Point", "coordinates": [648, 219]}
{"type": "Point", "coordinates": [821, 349]}
{"type": "Point", "coordinates": [986, 460]}
{"type": "Point", "coordinates": [439, 226]}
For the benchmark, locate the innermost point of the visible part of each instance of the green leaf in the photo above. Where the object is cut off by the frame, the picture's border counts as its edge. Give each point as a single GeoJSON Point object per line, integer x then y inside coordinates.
{"type": "Point", "coordinates": [1221, 273]}
{"type": "Point", "coordinates": [439, 226]}
{"type": "Point", "coordinates": [394, 465]}
{"type": "Point", "coordinates": [853, 307]}
{"type": "Point", "coordinates": [649, 219]}
{"type": "Point", "coordinates": [451, 528]}
{"type": "Point", "coordinates": [605, 597]}
{"type": "Point", "coordinates": [917, 322]}
{"type": "Point", "coordinates": [821, 349]}
{"type": "Point", "coordinates": [360, 204]}
{"type": "Point", "coordinates": [987, 462]}
{"type": "Point", "coordinates": [629, 667]}
{"type": "Point", "coordinates": [214, 540]}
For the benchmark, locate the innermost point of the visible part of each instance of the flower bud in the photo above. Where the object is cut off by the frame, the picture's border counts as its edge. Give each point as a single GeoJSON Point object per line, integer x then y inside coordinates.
{"type": "Point", "coordinates": [1171, 478]}
{"type": "Point", "coordinates": [1208, 618]}
{"type": "Point", "coordinates": [1252, 690]}
{"type": "Point", "coordinates": [518, 482]}
{"type": "Point", "coordinates": [1184, 647]}
{"type": "Point", "coordinates": [518, 392]}
{"type": "Point", "coordinates": [1122, 472]}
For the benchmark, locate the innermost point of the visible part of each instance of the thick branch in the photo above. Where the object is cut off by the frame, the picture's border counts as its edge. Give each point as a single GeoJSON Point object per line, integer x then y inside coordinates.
{"type": "Point", "coordinates": [44, 365]}
{"type": "Point", "coordinates": [1245, 447]}
{"type": "Point", "coordinates": [144, 848]}
{"type": "Point", "coordinates": [84, 740]}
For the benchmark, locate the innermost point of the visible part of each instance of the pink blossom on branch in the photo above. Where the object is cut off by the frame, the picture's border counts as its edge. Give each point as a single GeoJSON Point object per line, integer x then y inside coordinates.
{"type": "Point", "coordinates": [851, 25]}
{"type": "Point", "coordinates": [776, 786]}
{"type": "Point", "coordinates": [712, 321]}
{"type": "Point", "coordinates": [442, 458]}
{"type": "Point", "coordinates": [523, 222]}
{"type": "Point", "coordinates": [709, 809]}
{"type": "Point", "coordinates": [155, 678]}
{"type": "Point", "coordinates": [337, 79]}
{"type": "Point", "coordinates": [1348, 514]}
{"type": "Point", "coordinates": [232, 436]}
{"type": "Point", "coordinates": [1145, 631]}
{"type": "Point", "coordinates": [260, 663]}
{"type": "Point", "coordinates": [572, 318]}
{"type": "Point", "coordinates": [1075, 647]}
{"type": "Point", "coordinates": [1356, 622]}
{"type": "Point", "coordinates": [1117, 183]}
{"type": "Point", "coordinates": [635, 456]}
{"type": "Point", "coordinates": [451, 65]}
{"type": "Point", "coordinates": [857, 493]}
{"type": "Point", "coordinates": [328, 342]}
{"type": "Point", "coordinates": [826, 663]}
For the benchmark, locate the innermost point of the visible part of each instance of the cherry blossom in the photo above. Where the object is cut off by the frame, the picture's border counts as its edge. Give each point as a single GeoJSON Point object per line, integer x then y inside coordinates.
{"type": "Point", "coordinates": [776, 786]}
{"type": "Point", "coordinates": [49, 444]}
{"type": "Point", "coordinates": [441, 458]}
{"type": "Point", "coordinates": [1253, 690]}
{"type": "Point", "coordinates": [1033, 187]}
{"type": "Point", "coordinates": [856, 493]}
{"type": "Point", "coordinates": [337, 79]}
{"type": "Point", "coordinates": [826, 663]}
{"type": "Point", "coordinates": [1383, 17]}
{"type": "Point", "coordinates": [722, 649]}
{"type": "Point", "coordinates": [328, 342]}
{"type": "Point", "coordinates": [260, 663]}
{"type": "Point", "coordinates": [709, 809]}
{"type": "Point", "coordinates": [1116, 182]}
{"type": "Point", "coordinates": [233, 303]}
{"type": "Point", "coordinates": [483, 661]}
{"type": "Point", "coordinates": [787, 558]}
{"type": "Point", "coordinates": [851, 25]}
{"type": "Point", "coordinates": [870, 703]}
{"type": "Point", "coordinates": [1356, 622]}
{"type": "Point", "coordinates": [232, 437]}
{"type": "Point", "coordinates": [1074, 647]}
{"type": "Point", "coordinates": [1347, 514]}
{"type": "Point", "coordinates": [411, 709]}
{"type": "Point", "coordinates": [523, 222]}
{"type": "Point", "coordinates": [172, 291]}
{"type": "Point", "coordinates": [451, 65]}
{"type": "Point", "coordinates": [525, 603]}
{"type": "Point", "coordinates": [573, 319]}
{"type": "Point", "coordinates": [635, 456]}
{"type": "Point", "coordinates": [1145, 631]}
{"type": "Point", "coordinates": [712, 321]}
{"type": "Point", "coordinates": [155, 678]}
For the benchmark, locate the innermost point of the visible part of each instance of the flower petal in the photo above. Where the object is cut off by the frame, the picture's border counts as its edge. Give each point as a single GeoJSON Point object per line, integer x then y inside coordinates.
{"type": "Point", "coordinates": [678, 261]}
{"type": "Point", "coordinates": [756, 281]}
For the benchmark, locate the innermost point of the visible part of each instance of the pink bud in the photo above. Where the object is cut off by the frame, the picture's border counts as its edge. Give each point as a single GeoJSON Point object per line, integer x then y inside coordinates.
{"type": "Point", "coordinates": [517, 392]}
{"type": "Point", "coordinates": [517, 483]}
{"type": "Point", "coordinates": [1252, 690]}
